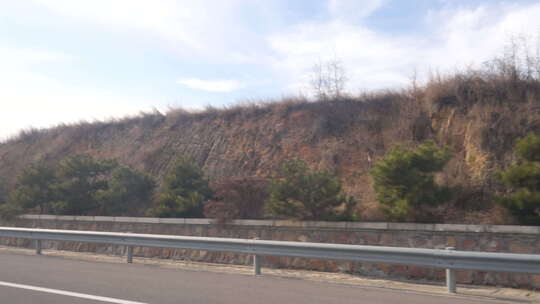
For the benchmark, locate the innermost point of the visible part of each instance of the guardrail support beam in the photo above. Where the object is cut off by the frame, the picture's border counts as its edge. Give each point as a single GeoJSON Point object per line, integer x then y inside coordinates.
{"type": "Point", "coordinates": [451, 280]}
{"type": "Point", "coordinates": [130, 254]}
{"type": "Point", "coordinates": [257, 264]}
{"type": "Point", "coordinates": [451, 277]}
{"type": "Point", "coordinates": [452, 261]}
{"type": "Point", "coordinates": [37, 244]}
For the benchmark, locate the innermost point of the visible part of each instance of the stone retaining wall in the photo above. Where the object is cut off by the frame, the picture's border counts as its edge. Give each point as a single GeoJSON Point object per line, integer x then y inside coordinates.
{"type": "Point", "coordinates": [493, 238]}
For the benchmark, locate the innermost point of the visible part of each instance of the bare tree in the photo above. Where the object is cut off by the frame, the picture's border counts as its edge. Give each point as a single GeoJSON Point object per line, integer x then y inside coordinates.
{"type": "Point", "coordinates": [328, 79]}
{"type": "Point", "coordinates": [520, 59]}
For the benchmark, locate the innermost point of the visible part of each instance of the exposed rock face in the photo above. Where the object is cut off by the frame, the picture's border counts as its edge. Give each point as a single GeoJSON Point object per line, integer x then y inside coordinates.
{"type": "Point", "coordinates": [347, 136]}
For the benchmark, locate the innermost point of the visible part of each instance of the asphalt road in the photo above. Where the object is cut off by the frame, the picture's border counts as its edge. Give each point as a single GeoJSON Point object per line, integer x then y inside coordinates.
{"type": "Point", "coordinates": [28, 279]}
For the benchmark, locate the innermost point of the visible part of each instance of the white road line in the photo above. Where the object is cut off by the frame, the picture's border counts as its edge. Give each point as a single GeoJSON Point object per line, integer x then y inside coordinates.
{"type": "Point", "coordinates": [69, 293]}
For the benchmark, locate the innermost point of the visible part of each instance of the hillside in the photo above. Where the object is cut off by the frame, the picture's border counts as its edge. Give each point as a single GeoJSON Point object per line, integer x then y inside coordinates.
{"type": "Point", "coordinates": [479, 118]}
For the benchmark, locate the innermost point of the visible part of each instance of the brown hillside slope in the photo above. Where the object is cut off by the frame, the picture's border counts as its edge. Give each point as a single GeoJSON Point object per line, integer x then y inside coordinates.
{"type": "Point", "coordinates": [478, 120]}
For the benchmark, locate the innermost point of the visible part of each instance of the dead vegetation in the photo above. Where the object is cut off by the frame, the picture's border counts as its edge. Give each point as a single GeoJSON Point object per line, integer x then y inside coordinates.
{"type": "Point", "coordinates": [477, 113]}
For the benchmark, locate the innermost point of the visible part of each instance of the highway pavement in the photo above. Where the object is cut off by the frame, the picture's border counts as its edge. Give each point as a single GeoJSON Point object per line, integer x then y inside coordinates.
{"type": "Point", "coordinates": [26, 279]}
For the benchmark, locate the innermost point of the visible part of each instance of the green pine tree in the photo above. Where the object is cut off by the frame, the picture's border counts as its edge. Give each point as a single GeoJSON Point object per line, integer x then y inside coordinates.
{"type": "Point", "coordinates": [184, 192]}
{"type": "Point", "coordinates": [35, 188]}
{"type": "Point", "coordinates": [305, 194]}
{"type": "Point", "coordinates": [523, 180]}
{"type": "Point", "coordinates": [128, 192]}
{"type": "Point", "coordinates": [404, 180]}
{"type": "Point", "coordinates": [79, 179]}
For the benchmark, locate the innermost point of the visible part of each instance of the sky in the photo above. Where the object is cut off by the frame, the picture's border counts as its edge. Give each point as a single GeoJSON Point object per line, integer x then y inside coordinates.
{"type": "Point", "coordinates": [72, 60]}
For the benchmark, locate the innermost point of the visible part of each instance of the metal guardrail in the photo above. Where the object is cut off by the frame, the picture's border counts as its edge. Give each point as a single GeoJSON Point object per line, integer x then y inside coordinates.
{"type": "Point", "coordinates": [449, 258]}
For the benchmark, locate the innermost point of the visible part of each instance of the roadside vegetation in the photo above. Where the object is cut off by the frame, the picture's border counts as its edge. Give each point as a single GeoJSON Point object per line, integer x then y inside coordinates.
{"type": "Point", "coordinates": [237, 198]}
{"type": "Point", "coordinates": [523, 182]}
{"type": "Point", "coordinates": [301, 193]}
{"type": "Point", "coordinates": [184, 192]}
{"type": "Point", "coordinates": [404, 181]}
{"type": "Point", "coordinates": [422, 170]}
{"type": "Point", "coordinates": [81, 185]}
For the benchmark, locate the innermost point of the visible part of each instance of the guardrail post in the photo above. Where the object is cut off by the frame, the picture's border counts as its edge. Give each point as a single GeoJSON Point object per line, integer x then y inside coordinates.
{"type": "Point", "coordinates": [451, 276]}
{"type": "Point", "coordinates": [257, 262]}
{"type": "Point", "coordinates": [37, 244]}
{"type": "Point", "coordinates": [130, 254]}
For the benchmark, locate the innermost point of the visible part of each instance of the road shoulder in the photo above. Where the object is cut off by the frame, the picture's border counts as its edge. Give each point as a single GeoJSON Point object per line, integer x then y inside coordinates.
{"type": "Point", "coordinates": [509, 295]}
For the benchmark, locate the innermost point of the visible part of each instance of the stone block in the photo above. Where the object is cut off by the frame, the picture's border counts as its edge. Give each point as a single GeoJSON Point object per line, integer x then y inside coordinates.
{"type": "Point", "coordinates": [519, 247]}
{"type": "Point", "coordinates": [387, 239]}
{"type": "Point", "coordinates": [149, 220]}
{"type": "Point", "coordinates": [104, 218]}
{"type": "Point", "coordinates": [535, 281]}
{"type": "Point", "coordinates": [464, 276]}
{"type": "Point", "coordinates": [451, 241]}
{"type": "Point", "coordinates": [126, 219]}
{"type": "Point", "coordinates": [404, 226]}
{"type": "Point", "coordinates": [469, 244]}
{"type": "Point", "coordinates": [366, 226]}
{"type": "Point", "coordinates": [514, 229]}
{"type": "Point", "coordinates": [439, 274]}
{"type": "Point", "coordinates": [520, 280]}
{"type": "Point", "coordinates": [417, 272]}
{"type": "Point", "coordinates": [303, 238]}
{"type": "Point", "coordinates": [449, 227]}
{"type": "Point", "coordinates": [418, 242]}
{"type": "Point", "coordinates": [400, 270]}
{"type": "Point", "coordinates": [385, 268]}
{"type": "Point", "coordinates": [287, 223]}
{"type": "Point", "coordinates": [66, 217]}
{"type": "Point", "coordinates": [47, 217]}
{"type": "Point", "coordinates": [178, 221]}
{"type": "Point", "coordinates": [370, 238]}
{"type": "Point", "coordinates": [195, 221]}
{"type": "Point", "coordinates": [253, 222]}
{"type": "Point", "coordinates": [493, 246]}
{"type": "Point", "coordinates": [29, 216]}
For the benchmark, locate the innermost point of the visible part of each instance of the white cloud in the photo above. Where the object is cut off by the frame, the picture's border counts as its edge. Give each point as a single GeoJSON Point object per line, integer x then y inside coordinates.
{"type": "Point", "coordinates": [166, 19]}
{"type": "Point", "coordinates": [353, 10]}
{"type": "Point", "coordinates": [202, 28]}
{"type": "Point", "coordinates": [366, 55]}
{"type": "Point", "coordinates": [19, 59]}
{"type": "Point", "coordinates": [453, 38]}
{"type": "Point", "coordinates": [29, 98]}
{"type": "Point", "coordinates": [241, 31]}
{"type": "Point", "coordinates": [220, 86]}
{"type": "Point", "coordinates": [471, 36]}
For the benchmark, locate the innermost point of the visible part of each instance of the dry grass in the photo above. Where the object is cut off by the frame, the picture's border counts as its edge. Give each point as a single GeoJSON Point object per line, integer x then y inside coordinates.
{"type": "Point", "coordinates": [477, 113]}
{"type": "Point", "coordinates": [338, 111]}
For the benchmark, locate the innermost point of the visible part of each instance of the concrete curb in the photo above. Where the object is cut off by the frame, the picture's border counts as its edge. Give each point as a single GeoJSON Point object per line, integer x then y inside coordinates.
{"type": "Point", "coordinates": [511, 229]}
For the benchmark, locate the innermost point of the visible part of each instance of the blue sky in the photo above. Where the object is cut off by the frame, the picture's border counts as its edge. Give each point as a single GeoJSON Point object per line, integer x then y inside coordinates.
{"type": "Point", "coordinates": [70, 60]}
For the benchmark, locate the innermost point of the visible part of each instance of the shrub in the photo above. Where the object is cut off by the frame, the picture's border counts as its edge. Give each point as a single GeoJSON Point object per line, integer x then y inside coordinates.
{"type": "Point", "coordinates": [184, 191]}
{"type": "Point", "coordinates": [528, 148]}
{"type": "Point", "coordinates": [523, 179]}
{"type": "Point", "coordinates": [79, 180]}
{"type": "Point", "coordinates": [3, 191]}
{"type": "Point", "coordinates": [305, 194]}
{"type": "Point", "coordinates": [240, 198]}
{"type": "Point", "coordinates": [404, 180]}
{"type": "Point", "coordinates": [9, 211]}
{"type": "Point", "coordinates": [128, 192]}
{"type": "Point", "coordinates": [82, 185]}
{"type": "Point", "coordinates": [35, 188]}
